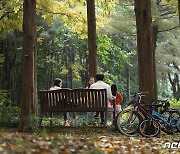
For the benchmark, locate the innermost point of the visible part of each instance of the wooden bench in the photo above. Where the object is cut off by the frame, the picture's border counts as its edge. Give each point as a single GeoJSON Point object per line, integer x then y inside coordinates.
{"type": "Point", "coordinates": [73, 100]}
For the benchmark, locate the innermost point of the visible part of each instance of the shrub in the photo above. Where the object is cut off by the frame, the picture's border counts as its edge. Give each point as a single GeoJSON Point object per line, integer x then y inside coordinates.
{"type": "Point", "coordinates": [8, 113]}
{"type": "Point", "coordinates": [174, 103]}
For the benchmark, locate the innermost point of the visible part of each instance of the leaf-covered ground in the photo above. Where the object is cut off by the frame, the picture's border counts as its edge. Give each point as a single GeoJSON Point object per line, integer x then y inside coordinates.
{"type": "Point", "coordinates": [82, 140]}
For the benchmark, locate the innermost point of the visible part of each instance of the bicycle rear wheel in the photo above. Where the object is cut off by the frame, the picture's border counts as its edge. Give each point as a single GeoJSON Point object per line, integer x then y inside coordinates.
{"type": "Point", "coordinates": [127, 122]}
{"type": "Point", "coordinates": [178, 126]}
{"type": "Point", "coordinates": [176, 121]}
{"type": "Point", "coordinates": [149, 128]}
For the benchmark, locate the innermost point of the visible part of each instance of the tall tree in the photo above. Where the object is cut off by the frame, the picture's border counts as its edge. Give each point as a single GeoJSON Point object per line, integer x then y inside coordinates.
{"type": "Point", "coordinates": [92, 38]}
{"type": "Point", "coordinates": [1, 62]}
{"type": "Point", "coordinates": [28, 99]}
{"type": "Point", "coordinates": [179, 10]}
{"type": "Point", "coordinates": [146, 58]}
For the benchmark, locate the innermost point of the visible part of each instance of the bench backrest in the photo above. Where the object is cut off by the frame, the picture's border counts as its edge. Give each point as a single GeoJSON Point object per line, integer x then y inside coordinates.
{"type": "Point", "coordinates": [73, 100]}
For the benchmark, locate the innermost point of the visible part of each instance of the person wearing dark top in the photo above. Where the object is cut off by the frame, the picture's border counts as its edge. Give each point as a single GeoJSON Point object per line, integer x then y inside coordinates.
{"type": "Point", "coordinates": [57, 84]}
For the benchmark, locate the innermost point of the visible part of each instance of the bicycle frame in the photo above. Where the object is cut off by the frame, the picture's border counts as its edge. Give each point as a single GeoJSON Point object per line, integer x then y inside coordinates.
{"type": "Point", "coordinates": [162, 118]}
{"type": "Point", "coordinates": [142, 107]}
{"type": "Point", "coordinates": [137, 105]}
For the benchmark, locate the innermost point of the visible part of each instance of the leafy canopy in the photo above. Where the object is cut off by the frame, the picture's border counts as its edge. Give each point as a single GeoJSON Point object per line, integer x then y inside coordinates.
{"type": "Point", "coordinates": [72, 12]}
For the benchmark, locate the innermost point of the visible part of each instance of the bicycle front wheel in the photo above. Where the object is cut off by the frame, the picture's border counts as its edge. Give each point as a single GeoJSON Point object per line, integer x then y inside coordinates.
{"type": "Point", "coordinates": [127, 122]}
{"type": "Point", "coordinates": [149, 128]}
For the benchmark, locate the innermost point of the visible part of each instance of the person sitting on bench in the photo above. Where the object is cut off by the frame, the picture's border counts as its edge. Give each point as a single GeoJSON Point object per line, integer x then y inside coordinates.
{"type": "Point", "coordinates": [102, 85]}
{"type": "Point", "coordinates": [57, 84]}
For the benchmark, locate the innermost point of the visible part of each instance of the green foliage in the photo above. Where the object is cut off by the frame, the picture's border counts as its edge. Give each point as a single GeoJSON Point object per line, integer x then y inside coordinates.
{"type": "Point", "coordinates": [121, 32]}
{"type": "Point", "coordinates": [110, 53]}
{"type": "Point", "coordinates": [79, 121]}
{"type": "Point", "coordinates": [173, 3]}
{"type": "Point", "coordinates": [32, 123]}
{"type": "Point", "coordinates": [1, 59]}
{"type": "Point", "coordinates": [8, 113]}
{"type": "Point", "coordinates": [73, 13]}
{"type": "Point", "coordinates": [10, 16]}
{"type": "Point", "coordinates": [174, 103]}
{"type": "Point", "coordinates": [114, 55]}
{"type": "Point", "coordinates": [122, 22]}
{"type": "Point", "coordinates": [60, 50]}
{"type": "Point", "coordinates": [2, 130]}
{"type": "Point", "coordinates": [44, 132]}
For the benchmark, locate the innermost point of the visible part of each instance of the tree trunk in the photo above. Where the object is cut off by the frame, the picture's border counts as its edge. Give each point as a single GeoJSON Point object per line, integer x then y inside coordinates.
{"type": "Point", "coordinates": [1, 64]}
{"type": "Point", "coordinates": [178, 90]}
{"type": "Point", "coordinates": [155, 33]}
{"type": "Point", "coordinates": [92, 38]}
{"type": "Point", "coordinates": [145, 49]}
{"type": "Point", "coordinates": [28, 98]}
{"type": "Point", "coordinates": [179, 11]}
{"type": "Point", "coordinates": [175, 84]}
{"type": "Point", "coordinates": [1, 76]}
{"type": "Point", "coordinates": [10, 58]}
{"type": "Point", "coordinates": [71, 55]}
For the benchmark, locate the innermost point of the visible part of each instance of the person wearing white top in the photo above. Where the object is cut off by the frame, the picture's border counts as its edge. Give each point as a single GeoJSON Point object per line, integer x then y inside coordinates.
{"type": "Point", "coordinates": [57, 84]}
{"type": "Point", "coordinates": [54, 88]}
{"type": "Point", "coordinates": [102, 85]}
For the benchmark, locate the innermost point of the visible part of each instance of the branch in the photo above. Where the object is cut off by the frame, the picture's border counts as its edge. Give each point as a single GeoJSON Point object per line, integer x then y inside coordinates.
{"type": "Point", "coordinates": [8, 12]}
{"type": "Point", "coordinates": [176, 66]}
{"type": "Point", "coordinates": [169, 29]}
{"type": "Point", "coordinates": [61, 13]}
{"type": "Point", "coordinates": [163, 5]}
{"type": "Point", "coordinates": [4, 15]}
{"type": "Point", "coordinates": [167, 13]}
{"type": "Point", "coordinates": [170, 79]}
{"type": "Point", "coordinates": [169, 17]}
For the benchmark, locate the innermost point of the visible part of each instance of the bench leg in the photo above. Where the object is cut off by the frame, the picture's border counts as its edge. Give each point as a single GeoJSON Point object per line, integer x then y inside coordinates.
{"type": "Point", "coordinates": [41, 116]}
{"type": "Point", "coordinates": [51, 115]}
{"type": "Point", "coordinates": [40, 120]}
{"type": "Point", "coordinates": [105, 120]}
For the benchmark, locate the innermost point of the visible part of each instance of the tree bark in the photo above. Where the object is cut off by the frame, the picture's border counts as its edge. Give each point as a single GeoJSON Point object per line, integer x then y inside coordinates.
{"type": "Point", "coordinates": [28, 98]}
{"type": "Point", "coordinates": [1, 64]}
{"type": "Point", "coordinates": [1, 76]}
{"type": "Point", "coordinates": [145, 49]}
{"type": "Point", "coordinates": [92, 38]}
{"type": "Point", "coordinates": [179, 11]}
{"type": "Point", "coordinates": [155, 33]}
{"type": "Point", "coordinates": [175, 84]}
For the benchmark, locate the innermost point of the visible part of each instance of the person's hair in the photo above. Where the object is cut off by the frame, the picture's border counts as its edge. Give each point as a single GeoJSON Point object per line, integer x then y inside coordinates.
{"type": "Point", "coordinates": [114, 89]}
{"type": "Point", "coordinates": [91, 78]}
{"type": "Point", "coordinates": [100, 77]}
{"type": "Point", "coordinates": [57, 81]}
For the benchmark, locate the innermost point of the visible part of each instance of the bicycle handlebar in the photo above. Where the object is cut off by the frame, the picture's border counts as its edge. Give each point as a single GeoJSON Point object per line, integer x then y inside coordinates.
{"type": "Point", "coordinates": [140, 94]}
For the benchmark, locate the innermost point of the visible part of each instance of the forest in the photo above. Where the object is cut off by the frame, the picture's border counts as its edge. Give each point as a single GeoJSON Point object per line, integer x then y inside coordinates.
{"type": "Point", "coordinates": [134, 43]}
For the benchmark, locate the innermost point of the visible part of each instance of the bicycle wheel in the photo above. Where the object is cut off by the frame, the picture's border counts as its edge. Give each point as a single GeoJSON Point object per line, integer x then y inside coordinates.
{"type": "Point", "coordinates": [178, 125]}
{"type": "Point", "coordinates": [149, 128]}
{"type": "Point", "coordinates": [175, 121]}
{"type": "Point", "coordinates": [127, 122]}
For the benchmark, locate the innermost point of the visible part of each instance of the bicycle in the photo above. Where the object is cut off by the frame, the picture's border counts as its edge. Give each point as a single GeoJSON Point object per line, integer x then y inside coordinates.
{"type": "Point", "coordinates": [169, 114]}
{"type": "Point", "coordinates": [151, 127]}
{"type": "Point", "coordinates": [127, 121]}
